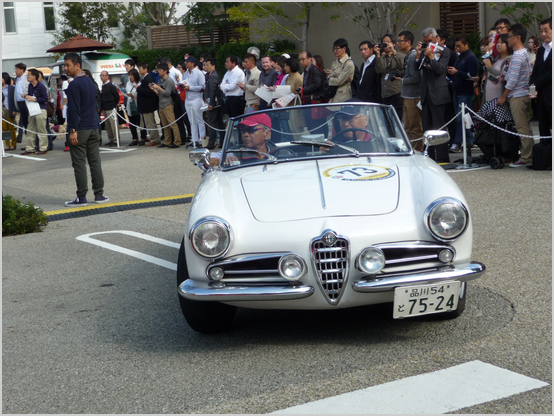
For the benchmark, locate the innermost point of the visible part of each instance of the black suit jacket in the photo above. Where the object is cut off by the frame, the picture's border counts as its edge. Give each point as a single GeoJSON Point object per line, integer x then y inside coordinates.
{"type": "Point", "coordinates": [433, 79]}
{"type": "Point", "coordinates": [369, 89]}
{"type": "Point", "coordinates": [542, 76]}
{"type": "Point", "coordinates": [147, 100]}
{"type": "Point", "coordinates": [212, 91]}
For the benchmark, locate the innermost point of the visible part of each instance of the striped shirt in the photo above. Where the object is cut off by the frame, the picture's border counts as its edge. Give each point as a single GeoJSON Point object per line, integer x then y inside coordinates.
{"type": "Point", "coordinates": [519, 72]}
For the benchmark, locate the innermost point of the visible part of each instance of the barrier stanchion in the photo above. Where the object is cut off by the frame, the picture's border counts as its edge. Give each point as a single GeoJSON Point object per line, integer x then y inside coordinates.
{"type": "Point", "coordinates": [464, 143]}
{"type": "Point", "coordinates": [116, 121]}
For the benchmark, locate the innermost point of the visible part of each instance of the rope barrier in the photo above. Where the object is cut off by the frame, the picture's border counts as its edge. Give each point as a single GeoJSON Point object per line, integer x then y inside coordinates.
{"type": "Point", "coordinates": [507, 131]}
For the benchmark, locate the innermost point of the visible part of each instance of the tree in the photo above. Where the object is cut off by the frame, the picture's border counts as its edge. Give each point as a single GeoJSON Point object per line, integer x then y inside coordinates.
{"type": "Point", "coordinates": [162, 14]}
{"type": "Point", "coordinates": [208, 18]}
{"type": "Point", "coordinates": [136, 17]}
{"type": "Point", "coordinates": [525, 13]}
{"type": "Point", "coordinates": [90, 19]}
{"type": "Point", "coordinates": [378, 18]}
{"type": "Point", "coordinates": [273, 20]}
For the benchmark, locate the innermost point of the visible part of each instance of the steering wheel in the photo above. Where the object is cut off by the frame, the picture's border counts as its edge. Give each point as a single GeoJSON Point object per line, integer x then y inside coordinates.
{"type": "Point", "coordinates": [279, 149]}
{"type": "Point", "coordinates": [341, 133]}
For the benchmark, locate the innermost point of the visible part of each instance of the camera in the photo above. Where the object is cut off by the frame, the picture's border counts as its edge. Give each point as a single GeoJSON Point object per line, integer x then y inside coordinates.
{"type": "Point", "coordinates": [396, 73]}
{"type": "Point", "coordinates": [424, 45]}
{"type": "Point", "coordinates": [382, 46]}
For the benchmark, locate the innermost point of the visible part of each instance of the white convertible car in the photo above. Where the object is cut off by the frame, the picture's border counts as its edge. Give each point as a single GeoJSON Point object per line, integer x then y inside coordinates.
{"type": "Point", "coordinates": [322, 207]}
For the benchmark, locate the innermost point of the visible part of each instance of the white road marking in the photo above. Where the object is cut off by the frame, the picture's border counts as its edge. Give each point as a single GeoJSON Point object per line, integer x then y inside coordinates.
{"type": "Point", "coordinates": [120, 150]}
{"type": "Point", "coordinates": [441, 391]}
{"type": "Point", "coordinates": [26, 157]}
{"type": "Point", "coordinates": [137, 254]}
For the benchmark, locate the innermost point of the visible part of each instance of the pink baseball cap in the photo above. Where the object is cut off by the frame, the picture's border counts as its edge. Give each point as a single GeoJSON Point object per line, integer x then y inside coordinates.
{"type": "Point", "coordinates": [256, 119]}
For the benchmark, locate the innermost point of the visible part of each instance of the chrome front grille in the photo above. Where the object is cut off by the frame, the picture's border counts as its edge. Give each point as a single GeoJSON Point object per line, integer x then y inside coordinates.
{"type": "Point", "coordinates": [330, 257]}
{"type": "Point", "coordinates": [414, 254]}
{"type": "Point", "coordinates": [259, 269]}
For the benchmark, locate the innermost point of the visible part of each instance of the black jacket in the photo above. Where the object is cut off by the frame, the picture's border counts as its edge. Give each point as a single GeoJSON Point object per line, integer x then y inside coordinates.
{"type": "Point", "coordinates": [313, 84]}
{"type": "Point", "coordinates": [433, 79]}
{"type": "Point", "coordinates": [147, 100]}
{"type": "Point", "coordinates": [110, 96]}
{"type": "Point", "coordinates": [10, 101]}
{"type": "Point", "coordinates": [542, 76]}
{"type": "Point", "coordinates": [369, 89]}
{"type": "Point", "coordinates": [212, 91]}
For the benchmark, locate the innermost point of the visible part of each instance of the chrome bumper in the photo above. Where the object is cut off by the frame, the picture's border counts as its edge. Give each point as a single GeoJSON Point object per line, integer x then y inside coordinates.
{"type": "Point", "coordinates": [472, 271]}
{"type": "Point", "coordinates": [228, 293]}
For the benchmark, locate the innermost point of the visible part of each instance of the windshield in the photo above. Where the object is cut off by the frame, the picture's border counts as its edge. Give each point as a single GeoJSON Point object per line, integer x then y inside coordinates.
{"type": "Point", "coordinates": [305, 132]}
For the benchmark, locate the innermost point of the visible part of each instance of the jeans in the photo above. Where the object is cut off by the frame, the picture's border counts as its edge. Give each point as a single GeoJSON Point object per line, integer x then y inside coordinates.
{"type": "Point", "coordinates": [458, 100]}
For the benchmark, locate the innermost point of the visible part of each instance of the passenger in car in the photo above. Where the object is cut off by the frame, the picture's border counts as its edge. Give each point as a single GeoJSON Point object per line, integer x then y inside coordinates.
{"type": "Point", "coordinates": [256, 134]}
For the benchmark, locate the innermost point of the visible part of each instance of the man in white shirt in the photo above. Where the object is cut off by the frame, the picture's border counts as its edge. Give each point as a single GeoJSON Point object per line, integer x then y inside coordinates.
{"type": "Point", "coordinates": [194, 86]}
{"type": "Point", "coordinates": [21, 87]}
{"type": "Point", "coordinates": [234, 103]}
{"type": "Point", "coordinates": [173, 73]}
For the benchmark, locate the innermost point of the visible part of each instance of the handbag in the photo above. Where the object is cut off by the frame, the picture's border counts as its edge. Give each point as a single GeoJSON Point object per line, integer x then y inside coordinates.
{"type": "Point", "coordinates": [50, 109]}
{"type": "Point", "coordinates": [34, 108]}
{"type": "Point", "coordinates": [134, 108]}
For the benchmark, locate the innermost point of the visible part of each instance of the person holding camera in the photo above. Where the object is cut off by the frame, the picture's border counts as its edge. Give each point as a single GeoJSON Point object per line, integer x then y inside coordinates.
{"type": "Point", "coordinates": [389, 63]}
{"type": "Point", "coordinates": [496, 69]}
{"type": "Point", "coordinates": [410, 90]}
{"type": "Point", "coordinates": [434, 88]}
{"type": "Point", "coordinates": [462, 73]}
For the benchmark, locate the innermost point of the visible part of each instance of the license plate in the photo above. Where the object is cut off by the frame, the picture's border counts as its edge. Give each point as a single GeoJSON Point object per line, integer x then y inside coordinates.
{"type": "Point", "coordinates": [425, 299]}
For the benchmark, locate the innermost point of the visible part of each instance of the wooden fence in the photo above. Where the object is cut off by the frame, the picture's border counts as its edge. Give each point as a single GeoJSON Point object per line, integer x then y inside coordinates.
{"type": "Point", "coordinates": [178, 37]}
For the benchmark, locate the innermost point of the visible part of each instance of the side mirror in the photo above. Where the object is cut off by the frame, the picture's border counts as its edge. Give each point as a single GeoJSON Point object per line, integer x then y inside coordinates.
{"type": "Point", "coordinates": [200, 157]}
{"type": "Point", "coordinates": [435, 137]}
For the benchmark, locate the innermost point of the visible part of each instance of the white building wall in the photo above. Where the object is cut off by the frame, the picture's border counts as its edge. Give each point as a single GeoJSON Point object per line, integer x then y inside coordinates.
{"type": "Point", "coordinates": [31, 41]}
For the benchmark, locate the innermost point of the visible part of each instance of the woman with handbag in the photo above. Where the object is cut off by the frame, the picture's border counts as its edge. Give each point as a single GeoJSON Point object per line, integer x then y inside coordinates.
{"type": "Point", "coordinates": [294, 79]}
{"type": "Point", "coordinates": [495, 84]}
{"type": "Point", "coordinates": [132, 110]}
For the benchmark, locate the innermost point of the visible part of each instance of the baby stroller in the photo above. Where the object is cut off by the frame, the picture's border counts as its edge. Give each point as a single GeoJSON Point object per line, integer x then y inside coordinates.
{"type": "Point", "coordinates": [497, 146]}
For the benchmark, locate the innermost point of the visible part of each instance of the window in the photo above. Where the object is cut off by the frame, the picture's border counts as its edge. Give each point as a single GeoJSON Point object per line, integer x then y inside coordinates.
{"type": "Point", "coordinates": [49, 21]}
{"type": "Point", "coordinates": [458, 18]}
{"type": "Point", "coordinates": [9, 17]}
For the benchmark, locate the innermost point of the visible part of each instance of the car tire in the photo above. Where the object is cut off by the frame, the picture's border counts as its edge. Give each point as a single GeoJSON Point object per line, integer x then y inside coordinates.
{"type": "Point", "coordinates": [461, 305]}
{"type": "Point", "coordinates": [203, 316]}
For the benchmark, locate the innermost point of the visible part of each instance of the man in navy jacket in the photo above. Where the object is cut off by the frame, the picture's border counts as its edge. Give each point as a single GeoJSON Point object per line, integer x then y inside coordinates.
{"type": "Point", "coordinates": [465, 67]}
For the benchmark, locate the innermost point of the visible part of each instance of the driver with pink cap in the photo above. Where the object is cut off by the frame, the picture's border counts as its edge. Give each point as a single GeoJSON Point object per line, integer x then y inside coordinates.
{"type": "Point", "coordinates": [256, 132]}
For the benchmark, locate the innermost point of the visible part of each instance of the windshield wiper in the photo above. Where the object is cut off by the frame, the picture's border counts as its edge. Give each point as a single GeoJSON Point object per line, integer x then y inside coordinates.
{"type": "Point", "coordinates": [244, 149]}
{"type": "Point", "coordinates": [319, 144]}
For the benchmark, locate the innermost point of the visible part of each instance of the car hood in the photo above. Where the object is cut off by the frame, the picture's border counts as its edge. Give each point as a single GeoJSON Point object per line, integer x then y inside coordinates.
{"type": "Point", "coordinates": [322, 188]}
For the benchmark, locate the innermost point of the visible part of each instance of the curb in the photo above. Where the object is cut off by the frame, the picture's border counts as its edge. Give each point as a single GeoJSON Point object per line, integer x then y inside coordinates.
{"type": "Point", "coordinates": [108, 208]}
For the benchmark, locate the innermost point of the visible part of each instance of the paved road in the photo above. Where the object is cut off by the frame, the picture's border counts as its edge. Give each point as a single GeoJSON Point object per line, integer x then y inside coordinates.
{"type": "Point", "coordinates": [88, 329]}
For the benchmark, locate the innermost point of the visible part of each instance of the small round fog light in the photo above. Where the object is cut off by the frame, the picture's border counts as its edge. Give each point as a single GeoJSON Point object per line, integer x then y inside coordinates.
{"type": "Point", "coordinates": [371, 260]}
{"type": "Point", "coordinates": [216, 273]}
{"type": "Point", "coordinates": [292, 267]}
{"type": "Point", "coordinates": [446, 255]}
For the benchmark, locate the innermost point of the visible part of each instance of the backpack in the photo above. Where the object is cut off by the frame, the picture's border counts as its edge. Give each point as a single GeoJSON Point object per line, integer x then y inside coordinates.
{"type": "Point", "coordinates": [355, 83]}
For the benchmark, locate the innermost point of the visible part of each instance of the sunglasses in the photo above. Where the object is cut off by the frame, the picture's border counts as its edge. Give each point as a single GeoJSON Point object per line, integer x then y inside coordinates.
{"type": "Point", "coordinates": [248, 129]}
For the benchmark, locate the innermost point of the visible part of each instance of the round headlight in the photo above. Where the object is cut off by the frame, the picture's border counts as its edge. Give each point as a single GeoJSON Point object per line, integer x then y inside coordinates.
{"type": "Point", "coordinates": [371, 260]}
{"type": "Point", "coordinates": [447, 219]}
{"type": "Point", "coordinates": [292, 267]}
{"type": "Point", "coordinates": [210, 237]}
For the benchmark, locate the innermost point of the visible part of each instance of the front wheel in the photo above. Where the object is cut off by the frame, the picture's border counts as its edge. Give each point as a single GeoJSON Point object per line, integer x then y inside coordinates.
{"type": "Point", "coordinates": [206, 317]}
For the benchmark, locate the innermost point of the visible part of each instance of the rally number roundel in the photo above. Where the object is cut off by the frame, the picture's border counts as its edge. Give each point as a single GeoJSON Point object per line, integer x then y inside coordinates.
{"type": "Point", "coordinates": [359, 173]}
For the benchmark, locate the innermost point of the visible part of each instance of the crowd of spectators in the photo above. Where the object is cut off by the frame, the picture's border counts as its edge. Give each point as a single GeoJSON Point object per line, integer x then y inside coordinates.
{"type": "Point", "coordinates": [426, 81]}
